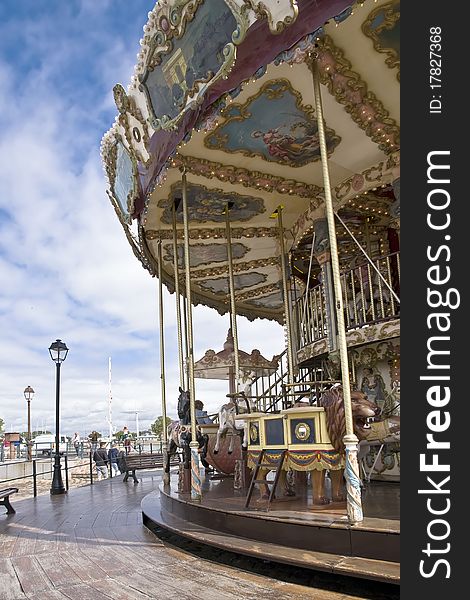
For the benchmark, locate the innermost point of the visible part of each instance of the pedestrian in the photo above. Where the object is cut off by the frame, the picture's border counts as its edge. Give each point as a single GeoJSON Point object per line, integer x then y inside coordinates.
{"type": "Point", "coordinates": [94, 440]}
{"type": "Point", "coordinates": [113, 454]}
{"type": "Point", "coordinates": [76, 442]}
{"type": "Point", "coordinates": [126, 438]}
{"type": "Point", "coordinates": [100, 456]}
{"type": "Point", "coordinates": [121, 461]}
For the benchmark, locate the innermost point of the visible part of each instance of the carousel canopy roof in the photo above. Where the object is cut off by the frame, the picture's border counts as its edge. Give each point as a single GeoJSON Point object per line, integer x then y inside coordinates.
{"type": "Point", "coordinates": [224, 91]}
{"type": "Point", "coordinates": [220, 365]}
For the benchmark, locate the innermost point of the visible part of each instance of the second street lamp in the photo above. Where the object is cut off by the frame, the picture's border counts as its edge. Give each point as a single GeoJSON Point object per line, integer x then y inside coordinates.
{"type": "Point", "coordinates": [58, 351]}
{"type": "Point", "coordinates": [28, 394]}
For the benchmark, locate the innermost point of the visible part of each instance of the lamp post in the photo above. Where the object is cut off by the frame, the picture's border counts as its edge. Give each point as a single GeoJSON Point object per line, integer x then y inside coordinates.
{"type": "Point", "coordinates": [28, 394]}
{"type": "Point", "coordinates": [58, 351]}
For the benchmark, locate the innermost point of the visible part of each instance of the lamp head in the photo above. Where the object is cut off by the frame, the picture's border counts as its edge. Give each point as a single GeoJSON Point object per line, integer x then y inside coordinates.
{"type": "Point", "coordinates": [28, 393]}
{"type": "Point", "coordinates": [58, 351]}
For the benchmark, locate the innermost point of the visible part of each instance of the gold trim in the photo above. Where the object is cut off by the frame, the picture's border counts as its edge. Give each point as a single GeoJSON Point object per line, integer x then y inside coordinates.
{"type": "Point", "coordinates": [176, 19]}
{"type": "Point", "coordinates": [391, 16]}
{"type": "Point", "coordinates": [305, 435]}
{"type": "Point", "coordinates": [126, 106]}
{"type": "Point", "coordinates": [366, 110]}
{"type": "Point", "coordinates": [247, 178]}
{"type": "Point", "coordinates": [275, 27]}
{"type": "Point", "coordinates": [110, 160]}
{"type": "Point", "coordinates": [238, 267]}
{"type": "Point", "coordinates": [214, 233]}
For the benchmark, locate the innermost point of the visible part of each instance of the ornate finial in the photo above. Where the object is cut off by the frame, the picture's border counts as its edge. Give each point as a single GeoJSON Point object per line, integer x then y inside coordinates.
{"type": "Point", "coordinates": [229, 341]}
{"type": "Point", "coordinates": [120, 98]}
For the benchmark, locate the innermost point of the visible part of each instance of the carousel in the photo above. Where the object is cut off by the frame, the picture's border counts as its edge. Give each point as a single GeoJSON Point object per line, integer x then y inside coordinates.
{"type": "Point", "coordinates": [254, 166]}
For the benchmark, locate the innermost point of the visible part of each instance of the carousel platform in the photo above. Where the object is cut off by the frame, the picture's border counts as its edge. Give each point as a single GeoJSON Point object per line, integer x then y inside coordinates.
{"type": "Point", "coordinates": [291, 532]}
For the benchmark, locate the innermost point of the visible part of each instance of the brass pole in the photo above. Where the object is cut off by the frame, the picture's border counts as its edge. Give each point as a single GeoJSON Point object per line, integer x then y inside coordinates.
{"type": "Point", "coordinates": [290, 356]}
{"type": "Point", "coordinates": [186, 345]}
{"type": "Point", "coordinates": [176, 272]}
{"type": "Point", "coordinates": [166, 476]}
{"type": "Point", "coordinates": [195, 475]}
{"type": "Point", "coordinates": [353, 483]}
{"type": "Point", "coordinates": [233, 310]}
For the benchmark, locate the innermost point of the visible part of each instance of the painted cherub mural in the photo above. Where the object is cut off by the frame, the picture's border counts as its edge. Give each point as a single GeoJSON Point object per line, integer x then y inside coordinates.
{"type": "Point", "coordinates": [274, 125]}
{"type": "Point", "coordinates": [298, 141]}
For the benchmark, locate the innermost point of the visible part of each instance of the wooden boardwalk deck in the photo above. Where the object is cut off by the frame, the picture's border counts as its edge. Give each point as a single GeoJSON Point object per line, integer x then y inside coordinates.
{"type": "Point", "coordinates": [90, 544]}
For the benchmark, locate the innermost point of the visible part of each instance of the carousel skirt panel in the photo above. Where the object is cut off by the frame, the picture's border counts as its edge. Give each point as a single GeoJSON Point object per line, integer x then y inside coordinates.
{"type": "Point", "coordinates": [299, 460]}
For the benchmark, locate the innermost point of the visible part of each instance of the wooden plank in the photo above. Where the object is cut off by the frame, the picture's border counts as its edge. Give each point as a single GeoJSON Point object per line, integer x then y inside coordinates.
{"type": "Point", "coordinates": [57, 570]}
{"type": "Point", "coordinates": [83, 592]}
{"type": "Point", "coordinates": [84, 568]}
{"type": "Point", "coordinates": [117, 590]}
{"type": "Point", "coordinates": [10, 588]}
{"type": "Point", "coordinates": [154, 589]}
{"type": "Point", "coordinates": [47, 595]}
{"type": "Point", "coordinates": [109, 561]}
{"type": "Point", "coordinates": [30, 575]}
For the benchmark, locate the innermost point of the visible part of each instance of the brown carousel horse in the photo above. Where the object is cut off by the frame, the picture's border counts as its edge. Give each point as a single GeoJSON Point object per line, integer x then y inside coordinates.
{"type": "Point", "coordinates": [179, 434]}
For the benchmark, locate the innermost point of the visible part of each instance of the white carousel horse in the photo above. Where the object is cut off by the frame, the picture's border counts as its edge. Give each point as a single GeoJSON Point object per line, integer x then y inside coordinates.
{"type": "Point", "coordinates": [228, 421]}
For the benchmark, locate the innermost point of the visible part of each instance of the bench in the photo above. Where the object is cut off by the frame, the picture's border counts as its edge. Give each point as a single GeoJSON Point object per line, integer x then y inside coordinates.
{"type": "Point", "coordinates": [5, 499]}
{"type": "Point", "coordinates": [131, 463]}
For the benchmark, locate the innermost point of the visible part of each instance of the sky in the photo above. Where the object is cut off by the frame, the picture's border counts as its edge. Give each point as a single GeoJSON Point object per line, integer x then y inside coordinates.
{"type": "Point", "coordinates": [66, 269]}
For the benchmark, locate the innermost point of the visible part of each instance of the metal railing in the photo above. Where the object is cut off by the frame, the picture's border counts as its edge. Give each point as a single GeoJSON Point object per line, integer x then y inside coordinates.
{"type": "Point", "coordinates": [368, 298]}
{"type": "Point", "coordinates": [88, 473]}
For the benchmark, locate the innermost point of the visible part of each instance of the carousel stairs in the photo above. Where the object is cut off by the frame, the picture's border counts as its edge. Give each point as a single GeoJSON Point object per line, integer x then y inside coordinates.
{"type": "Point", "coordinates": [254, 480]}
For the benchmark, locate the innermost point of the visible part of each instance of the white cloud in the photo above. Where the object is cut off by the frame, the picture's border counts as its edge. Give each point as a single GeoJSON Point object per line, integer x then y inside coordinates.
{"type": "Point", "coordinates": [66, 269]}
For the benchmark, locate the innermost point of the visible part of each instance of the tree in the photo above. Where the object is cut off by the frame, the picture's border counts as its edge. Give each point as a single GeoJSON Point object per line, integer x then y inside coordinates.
{"type": "Point", "coordinates": [2, 422]}
{"type": "Point", "coordinates": [157, 426]}
{"type": "Point", "coordinates": [94, 435]}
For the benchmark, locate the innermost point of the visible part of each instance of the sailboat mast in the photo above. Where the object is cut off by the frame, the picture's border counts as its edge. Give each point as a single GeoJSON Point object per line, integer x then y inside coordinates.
{"type": "Point", "coordinates": [110, 413]}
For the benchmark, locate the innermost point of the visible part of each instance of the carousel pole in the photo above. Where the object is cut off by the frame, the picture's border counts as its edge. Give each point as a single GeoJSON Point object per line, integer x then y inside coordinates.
{"type": "Point", "coordinates": [353, 483]}
{"type": "Point", "coordinates": [287, 315]}
{"type": "Point", "coordinates": [233, 310]}
{"type": "Point", "coordinates": [195, 474]}
{"type": "Point", "coordinates": [186, 345]}
{"type": "Point", "coordinates": [176, 271]}
{"type": "Point", "coordinates": [166, 476]}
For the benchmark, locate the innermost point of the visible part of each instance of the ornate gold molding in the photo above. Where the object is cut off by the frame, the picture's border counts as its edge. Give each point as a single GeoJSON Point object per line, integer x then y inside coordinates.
{"type": "Point", "coordinates": [167, 23]}
{"type": "Point", "coordinates": [279, 17]}
{"type": "Point", "coordinates": [134, 135]}
{"type": "Point", "coordinates": [391, 14]}
{"type": "Point", "coordinates": [238, 267]}
{"type": "Point", "coordinates": [258, 292]}
{"type": "Point", "coordinates": [109, 153]}
{"type": "Point", "coordinates": [245, 177]}
{"type": "Point", "coordinates": [366, 110]}
{"type": "Point", "coordinates": [215, 233]}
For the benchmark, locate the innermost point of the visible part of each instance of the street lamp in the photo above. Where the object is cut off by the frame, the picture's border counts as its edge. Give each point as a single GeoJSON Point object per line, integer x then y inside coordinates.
{"type": "Point", "coordinates": [58, 351]}
{"type": "Point", "coordinates": [28, 394]}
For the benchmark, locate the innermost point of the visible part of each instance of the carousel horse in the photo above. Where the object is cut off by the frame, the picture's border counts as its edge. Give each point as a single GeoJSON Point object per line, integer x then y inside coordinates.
{"type": "Point", "coordinates": [228, 421]}
{"type": "Point", "coordinates": [179, 435]}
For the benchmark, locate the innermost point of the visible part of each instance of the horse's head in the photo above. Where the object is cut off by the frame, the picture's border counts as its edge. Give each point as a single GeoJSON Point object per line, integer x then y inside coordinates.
{"type": "Point", "coordinates": [183, 404]}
